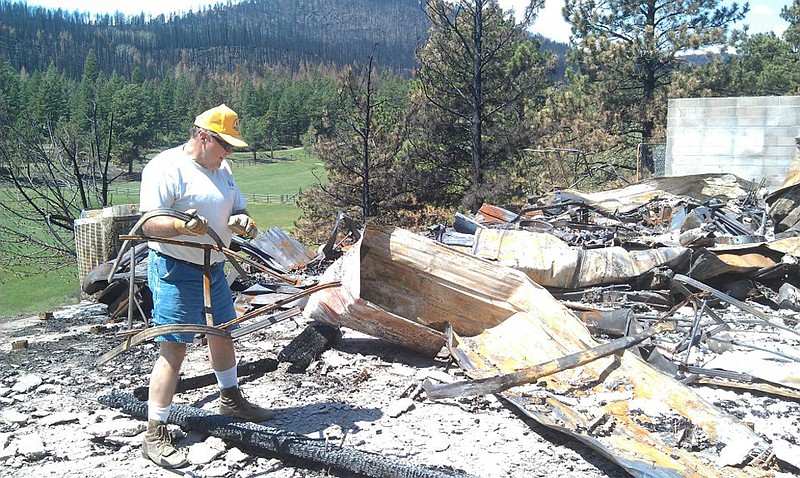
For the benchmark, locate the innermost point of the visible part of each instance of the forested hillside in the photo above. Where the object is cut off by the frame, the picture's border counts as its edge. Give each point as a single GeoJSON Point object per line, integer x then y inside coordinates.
{"type": "Point", "coordinates": [247, 35]}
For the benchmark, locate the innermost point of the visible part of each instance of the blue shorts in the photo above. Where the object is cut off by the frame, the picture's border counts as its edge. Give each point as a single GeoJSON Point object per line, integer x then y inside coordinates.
{"type": "Point", "coordinates": [177, 288]}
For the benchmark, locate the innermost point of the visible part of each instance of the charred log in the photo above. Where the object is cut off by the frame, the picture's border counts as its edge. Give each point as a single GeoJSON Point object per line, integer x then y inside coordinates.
{"type": "Point", "coordinates": [279, 442]}
{"type": "Point", "coordinates": [309, 345]}
{"type": "Point", "coordinates": [258, 367]}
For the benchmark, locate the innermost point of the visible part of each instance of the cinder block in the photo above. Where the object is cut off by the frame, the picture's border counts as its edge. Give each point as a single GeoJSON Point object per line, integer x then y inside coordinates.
{"type": "Point", "coordinates": [719, 102]}
{"type": "Point", "coordinates": [751, 137]}
{"type": "Point", "coordinates": [787, 100]}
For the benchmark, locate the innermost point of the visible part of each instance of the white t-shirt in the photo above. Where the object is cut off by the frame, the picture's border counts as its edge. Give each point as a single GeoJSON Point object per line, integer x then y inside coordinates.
{"type": "Point", "coordinates": [174, 180]}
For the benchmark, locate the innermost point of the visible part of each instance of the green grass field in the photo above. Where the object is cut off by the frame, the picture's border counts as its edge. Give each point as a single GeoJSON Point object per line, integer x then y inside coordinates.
{"type": "Point", "coordinates": [290, 172]}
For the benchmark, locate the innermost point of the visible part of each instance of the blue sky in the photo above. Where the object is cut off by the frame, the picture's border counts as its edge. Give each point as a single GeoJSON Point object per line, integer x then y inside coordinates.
{"type": "Point", "coordinates": [764, 15]}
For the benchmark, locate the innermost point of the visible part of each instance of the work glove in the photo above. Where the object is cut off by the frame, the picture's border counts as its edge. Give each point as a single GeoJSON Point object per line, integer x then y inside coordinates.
{"type": "Point", "coordinates": [196, 225]}
{"type": "Point", "coordinates": [243, 225]}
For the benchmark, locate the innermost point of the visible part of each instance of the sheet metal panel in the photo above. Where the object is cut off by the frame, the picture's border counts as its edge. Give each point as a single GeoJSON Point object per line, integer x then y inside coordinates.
{"type": "Point", "coordinates": [285, 250]}
{"type": "Point", "coordinates": [639, 418]}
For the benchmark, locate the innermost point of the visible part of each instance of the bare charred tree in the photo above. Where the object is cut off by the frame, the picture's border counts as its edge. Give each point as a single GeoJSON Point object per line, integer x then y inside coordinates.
{"type": "Point", "coordinates": [48, 179]}
{"type": "Point", "coordinates": [362, 147]}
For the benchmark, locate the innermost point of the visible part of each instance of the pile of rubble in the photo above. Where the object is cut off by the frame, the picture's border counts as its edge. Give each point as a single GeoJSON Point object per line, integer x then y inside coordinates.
{"type": "Point", "coordinates": [693, 266]}
{"type": "Point", "coordinates": [656, 324]}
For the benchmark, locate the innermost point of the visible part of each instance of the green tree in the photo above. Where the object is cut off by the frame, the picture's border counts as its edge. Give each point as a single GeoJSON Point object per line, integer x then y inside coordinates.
{"type": "Point", "coordinates": [12, 100]}
{"type": "Point", "coordinates": [49, 101]}
{"type": "Point", "coordinates": [309, 140]}
{"type": "Point", "coordinates": [791, 13]}
{"type": "Point", "coordinates": [480, 73]}
{"type": "Point", "coordinates": [83, 102]}
{"type": "Point", "coordinates": [134, 123]}
{"type": "Point", "coordinates": [764, 65]}
{"type": "Point", "coordinates": [290, 115]}
{"type": "Point", "coordinates": [627, 54]}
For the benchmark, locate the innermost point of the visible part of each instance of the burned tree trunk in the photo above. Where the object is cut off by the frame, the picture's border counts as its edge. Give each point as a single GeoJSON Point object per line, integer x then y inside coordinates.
{"type": "Point", "coordinates": [279, 442]}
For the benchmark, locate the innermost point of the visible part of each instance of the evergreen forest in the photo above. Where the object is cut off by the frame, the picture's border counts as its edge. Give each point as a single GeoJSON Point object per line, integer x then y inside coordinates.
{"type": "Point", "coordinates": [417, 109]}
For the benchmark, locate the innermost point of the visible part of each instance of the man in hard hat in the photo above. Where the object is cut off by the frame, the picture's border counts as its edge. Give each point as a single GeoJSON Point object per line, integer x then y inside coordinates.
{"type": "Point", "coordinates": [193, 178]}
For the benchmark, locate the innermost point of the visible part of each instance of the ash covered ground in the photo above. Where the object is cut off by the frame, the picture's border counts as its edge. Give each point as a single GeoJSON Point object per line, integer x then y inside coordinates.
{"type": "Point", "coordinates": [362, 394]}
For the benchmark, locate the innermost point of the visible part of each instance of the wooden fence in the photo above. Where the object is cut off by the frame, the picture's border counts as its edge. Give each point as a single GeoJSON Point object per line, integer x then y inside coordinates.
{"type": "Point", "coordinates": [271, 198]}
{"type": "Point", "coordinates": [251, 197]}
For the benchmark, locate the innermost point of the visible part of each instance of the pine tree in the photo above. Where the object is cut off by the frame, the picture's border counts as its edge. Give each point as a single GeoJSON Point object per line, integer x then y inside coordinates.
{"type": "Point", "coordinates": [134, 123]}
{"type": "Point", "coordinates": [627, 53]}
{"type": "Point", "coordinates": [480, 72]}
{"type": "Point", "coordinates": [362, 148]}
{"type": "Point", "coordinates": [83, 103]}
{"type": "Point", "coordinates": [764, 65]}
{"type": "Point", "coordinates": [50, 98]}
{"type": "Point", "coordinates": [12, 102]}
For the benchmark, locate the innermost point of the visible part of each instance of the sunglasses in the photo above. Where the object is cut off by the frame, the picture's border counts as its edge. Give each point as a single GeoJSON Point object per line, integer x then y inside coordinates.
{"type": "Point", "coordinates": [227, 147]}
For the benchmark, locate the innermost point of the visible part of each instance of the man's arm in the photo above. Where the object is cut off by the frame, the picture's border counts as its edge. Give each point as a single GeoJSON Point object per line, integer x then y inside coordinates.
{"type": "Point", "coordinates": [160, 226]}
{"type": "Point", "coordinates": [165, 226]}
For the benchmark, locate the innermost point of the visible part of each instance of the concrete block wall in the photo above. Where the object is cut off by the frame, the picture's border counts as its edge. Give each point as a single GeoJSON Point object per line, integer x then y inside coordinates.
{"type": "Point", "coordinates": [752, 137]}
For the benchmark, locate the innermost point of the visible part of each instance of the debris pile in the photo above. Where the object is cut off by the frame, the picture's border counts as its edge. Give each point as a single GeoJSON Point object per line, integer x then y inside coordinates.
{"type": "Point", "coordinates": [509, 300]}
{"type": "Point", "coordinates": [643, 322]}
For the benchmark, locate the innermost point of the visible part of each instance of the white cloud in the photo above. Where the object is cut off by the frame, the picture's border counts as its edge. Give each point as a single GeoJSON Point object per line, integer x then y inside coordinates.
{"type": "Point", "coordinates": [765, 17]}
{"type": "Point", "coordinates": [760, 9]}
{"type": "Point", "coordinates": [548, 22]}
{"type": "Point", "coordinates": [551, 24]}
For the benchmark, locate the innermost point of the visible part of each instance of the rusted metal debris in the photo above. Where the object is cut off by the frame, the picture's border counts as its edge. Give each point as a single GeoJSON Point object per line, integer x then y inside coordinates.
{"type": "Point", "coordinates": [499, 383]}
{"type": "Point", "coordinates": [279, 250]}
{"type": "Point", "coordinates": [618, 258]}
{"type": "Point", "coordinates": [400, 286]}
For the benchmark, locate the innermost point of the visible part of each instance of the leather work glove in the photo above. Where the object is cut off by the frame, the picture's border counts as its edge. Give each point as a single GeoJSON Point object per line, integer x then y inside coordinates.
{"type": "Point", "coordinates": [243, 225]}
{"type": "Point", "coordinates": [196, 226]}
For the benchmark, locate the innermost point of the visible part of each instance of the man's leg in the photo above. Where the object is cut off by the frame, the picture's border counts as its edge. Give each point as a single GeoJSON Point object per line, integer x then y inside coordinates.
{"type": "Point", "coordinates": [232, 403]}
{"type": "Point", "coordinates": [164, 378]}
{"type": "Point", "coordinates": [157, 444]}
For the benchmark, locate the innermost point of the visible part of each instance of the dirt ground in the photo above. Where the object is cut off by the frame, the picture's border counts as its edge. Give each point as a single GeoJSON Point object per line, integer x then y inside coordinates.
{"type": "Point", "coordinates": [362, 394]}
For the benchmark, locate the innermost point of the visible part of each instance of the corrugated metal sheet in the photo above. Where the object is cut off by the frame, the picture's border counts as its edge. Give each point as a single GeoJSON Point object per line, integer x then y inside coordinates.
{"type": "Point", "coordinates": [551, 262]}
{"type": "Point", "coordinates": [285, 250]}
{"type": "Point", "coordinates": [648, 423]}
{"type": "Point", "coordinates": [701, 187]}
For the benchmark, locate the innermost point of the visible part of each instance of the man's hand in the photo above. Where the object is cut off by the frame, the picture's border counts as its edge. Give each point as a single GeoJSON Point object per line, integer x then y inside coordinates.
{"type": "Point", "coordinates": [244, 226]}
{"type": "Point", "coordinates": [196, 226]}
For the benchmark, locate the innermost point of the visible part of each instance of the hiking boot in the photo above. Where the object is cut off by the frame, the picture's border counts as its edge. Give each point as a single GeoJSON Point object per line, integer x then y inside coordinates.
{"type": "Point", "coordinates": [157, 446]}
{"type": "Point", "coordinates": [233, 404]}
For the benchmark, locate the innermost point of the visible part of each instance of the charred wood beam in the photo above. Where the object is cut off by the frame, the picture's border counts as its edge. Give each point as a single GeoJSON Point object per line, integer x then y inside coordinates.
{"type": "Point", "coordinates": [280, 442]}
{"type": "Point", "coordinates": [742, 377]}
{"type": "Point", "coordinates": [262, 366]}
{"type": "Point", "coordinates": [306, 347]}
{"type": "Point", "coordinates": [499, 383]}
